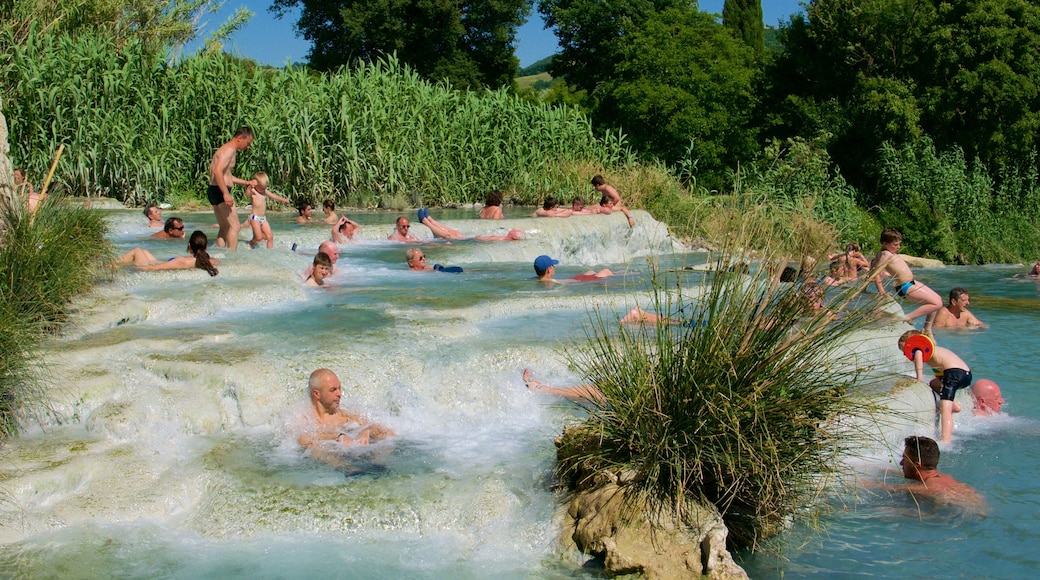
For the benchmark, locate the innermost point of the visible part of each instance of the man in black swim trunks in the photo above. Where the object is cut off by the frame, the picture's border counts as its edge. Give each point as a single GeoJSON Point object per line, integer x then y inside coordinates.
{"type": "Point", "coordinates": [220, 182]}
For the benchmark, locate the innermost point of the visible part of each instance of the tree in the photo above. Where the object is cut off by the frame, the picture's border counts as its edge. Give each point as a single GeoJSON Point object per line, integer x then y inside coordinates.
{"type": "Point", "coordinates": [684, 91]}
{"type": "Point", "coordinates": [593, 33]}
{"type": "Point", "coordinates": [469, 44]}
{"type": "Point", "coordinates": [876, 71]}
{"type": "Point", "coordinates": [744, 17]}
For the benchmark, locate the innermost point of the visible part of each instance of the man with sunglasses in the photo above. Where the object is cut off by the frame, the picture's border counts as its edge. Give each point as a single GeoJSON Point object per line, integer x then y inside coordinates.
{"type": "Point", "coordinates": [401, 232]}
{"type": "Point", "coordinates": [173, 229]}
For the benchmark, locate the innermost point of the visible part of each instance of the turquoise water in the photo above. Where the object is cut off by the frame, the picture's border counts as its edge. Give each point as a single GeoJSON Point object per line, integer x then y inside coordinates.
{"type": "Point", "coordinates": [165, 452]}
{"type": "Point", "coordinates": [878, 535]}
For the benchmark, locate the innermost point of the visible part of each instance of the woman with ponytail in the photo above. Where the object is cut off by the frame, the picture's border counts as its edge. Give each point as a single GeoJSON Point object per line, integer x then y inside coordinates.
{"type": "Point", "coordinates": [197, 257]}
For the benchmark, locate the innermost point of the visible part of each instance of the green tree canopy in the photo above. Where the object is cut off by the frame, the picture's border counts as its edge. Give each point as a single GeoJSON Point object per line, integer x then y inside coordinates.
{"type": "Point", "coordinates": [593, 34]}
{"type": "Point", "coordinates": [469, 44]}
{"type": "Point", "coordinates": [744, 17]}
{"type": "Point", "coordinates": [684, 91]}
{"type": "Point", "coordinates": [874, 71]}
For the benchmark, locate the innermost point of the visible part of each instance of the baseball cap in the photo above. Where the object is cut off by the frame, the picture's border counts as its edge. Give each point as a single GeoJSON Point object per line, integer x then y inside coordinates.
{"type": "Point", "coordinates": [542, 263]}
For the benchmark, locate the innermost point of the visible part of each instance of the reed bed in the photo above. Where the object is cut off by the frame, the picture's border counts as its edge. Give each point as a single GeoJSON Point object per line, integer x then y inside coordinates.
{"type": "Point", "coordinates": [137, 128]}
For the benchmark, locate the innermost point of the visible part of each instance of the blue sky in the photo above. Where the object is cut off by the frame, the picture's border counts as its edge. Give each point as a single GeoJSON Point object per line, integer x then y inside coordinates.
{"type": "Point", "coordinates": [272, 41]}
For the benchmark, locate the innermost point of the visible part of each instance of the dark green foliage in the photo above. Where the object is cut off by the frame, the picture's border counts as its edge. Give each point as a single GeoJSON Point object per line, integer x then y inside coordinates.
{"type": "Point", "coordinates": [870, 72]}
{"type": "Point", "coordinates": [744, 18]}
{"type": "Point", "coordinates": [799, 176]}
{"type": "Point", "coordinates": [683, 90]}
{"type": "Point", "coordinates": [949, 210]}
{"type": "Point", "coordinates": [468, 44]}
{"type": "Point", "coordinates": [137, 128]}
{"type": "Point", "coordinates": [45, 261]}
{"type": "Point", "coordinates": [739, 408]}
{"type": "Point", "coordinates": [592, 35]}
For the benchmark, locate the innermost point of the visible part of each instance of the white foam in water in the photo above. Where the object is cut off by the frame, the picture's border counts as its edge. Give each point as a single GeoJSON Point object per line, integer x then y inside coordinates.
{"type": "Point", "coordinates": [166, 435]}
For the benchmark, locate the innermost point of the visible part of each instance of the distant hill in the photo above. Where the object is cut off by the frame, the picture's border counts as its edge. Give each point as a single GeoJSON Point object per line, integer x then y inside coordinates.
{"type": "Point", "coordinates": [536, 68]}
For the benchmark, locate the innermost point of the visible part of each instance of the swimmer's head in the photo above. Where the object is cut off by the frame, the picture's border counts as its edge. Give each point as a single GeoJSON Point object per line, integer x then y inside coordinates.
{"type": "Point", "coordinates": [923, 451]}
{"type": "Point", "coordinates": [987, 397]}
{"type": "Point", "coordinates": [174, 227]}
{"type": "Point", "coordinates": [494, 197]}
{"type": "Point", "coordinates": [330, 249]}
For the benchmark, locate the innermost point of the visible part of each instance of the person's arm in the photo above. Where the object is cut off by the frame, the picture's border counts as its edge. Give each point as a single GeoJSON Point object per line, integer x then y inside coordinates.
{"type": "Point", "coordinates": [972, 320]}
{"type": "Point", "coordinates": [276, 197]}
{"type": "Point", "coordinates": [628, 214]}
{"type": "Point", "coordinates": [336, 236]}
{"type": "Point", "coordinates": [919, 365]}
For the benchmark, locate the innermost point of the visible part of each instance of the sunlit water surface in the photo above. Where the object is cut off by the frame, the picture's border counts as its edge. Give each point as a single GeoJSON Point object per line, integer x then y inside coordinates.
{"type": "Point", "coordinates": [166, 454]}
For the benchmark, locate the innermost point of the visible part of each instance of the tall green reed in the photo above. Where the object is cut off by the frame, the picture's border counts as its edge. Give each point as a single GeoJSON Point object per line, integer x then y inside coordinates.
{"type": "Point", "coordinates": [137, 128]}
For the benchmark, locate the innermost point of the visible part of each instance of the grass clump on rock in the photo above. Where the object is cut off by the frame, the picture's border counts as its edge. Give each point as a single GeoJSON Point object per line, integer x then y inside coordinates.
{"type": "Point", "coordinates": [740, 407]}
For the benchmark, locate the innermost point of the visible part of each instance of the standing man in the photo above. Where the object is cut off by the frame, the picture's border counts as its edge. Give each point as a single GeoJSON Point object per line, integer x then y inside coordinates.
{"type": "Point", "coordinates": [220, 182]}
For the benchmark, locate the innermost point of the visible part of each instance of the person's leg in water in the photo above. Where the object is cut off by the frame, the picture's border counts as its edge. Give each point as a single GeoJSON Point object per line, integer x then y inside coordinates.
{"type": "Point", "coordinates": [258, 232]}
{"type": "Point", "coordinates": [578, 393]}
{"type": "Point", "coordinates": [440, 230]}
{"type": "Point", "coordinates": [514, 234]}
{"type": "Point", "coordinates": [268, 234]}
{"type": "Point", "coordinates": [137, 257]}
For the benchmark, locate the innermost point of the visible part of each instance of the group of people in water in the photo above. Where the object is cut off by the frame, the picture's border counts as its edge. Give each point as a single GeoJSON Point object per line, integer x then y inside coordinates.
{"type": "Point", "coordinates": [332, 426]}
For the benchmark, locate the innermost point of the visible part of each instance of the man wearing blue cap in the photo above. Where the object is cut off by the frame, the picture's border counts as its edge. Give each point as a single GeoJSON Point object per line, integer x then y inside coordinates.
{"type": "Point", "coordinates": [545, 267]}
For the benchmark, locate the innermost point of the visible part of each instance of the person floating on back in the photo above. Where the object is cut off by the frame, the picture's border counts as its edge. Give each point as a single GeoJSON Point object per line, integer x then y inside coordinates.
{"type": "Point", "coordinates": [440, 230]}
{"type": "Point", "coordinates": [888, 260]}
{"type": "Point", "coordinates": [545, 269]}
{"type": "Point", "coordinates": [952, 374]}
{"type": "Point", "coordinates": [197, 257]}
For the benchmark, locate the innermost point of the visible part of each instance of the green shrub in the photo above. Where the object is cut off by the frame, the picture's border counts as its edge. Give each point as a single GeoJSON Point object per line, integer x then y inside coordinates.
{"type": "Point", "coordinates": [46, 259]}
{"type": "Point", "coordinates": [739, 407]}
{"type": "Point", "coordinates": [958, 213]}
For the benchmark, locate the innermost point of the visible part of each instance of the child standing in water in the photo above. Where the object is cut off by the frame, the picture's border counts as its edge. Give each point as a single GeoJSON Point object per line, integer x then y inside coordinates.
{"type": "Point", "coordinates": [952, 374]}
{"type": "Point", "coordinates": [258, 195]}
{"type": "Point", "coordinates": [888, 260]}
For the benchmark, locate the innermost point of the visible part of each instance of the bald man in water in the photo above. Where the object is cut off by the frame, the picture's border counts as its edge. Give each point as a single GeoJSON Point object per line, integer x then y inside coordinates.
{"type": "Point", "coordinates": [332, 251]}
{"type": "Point", "coordinates": [985, 394]}
{"type": "Point", "coordinates": [332, 424]}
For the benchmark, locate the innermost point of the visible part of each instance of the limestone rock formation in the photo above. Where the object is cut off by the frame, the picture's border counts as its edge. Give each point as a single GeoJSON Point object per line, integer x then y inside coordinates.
{"type": "Point", "coordinates": [602, 519]}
